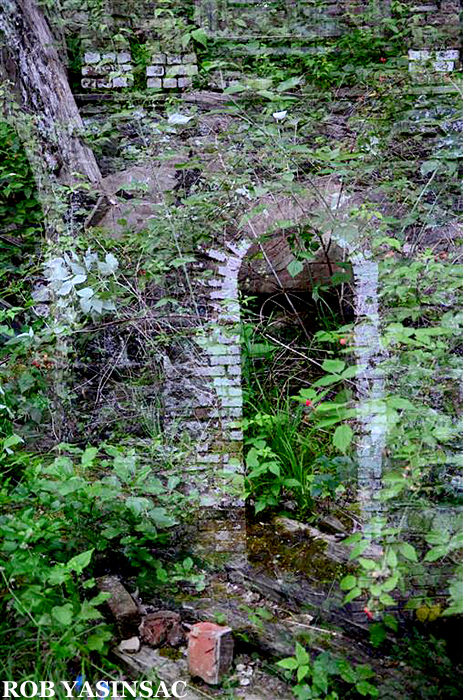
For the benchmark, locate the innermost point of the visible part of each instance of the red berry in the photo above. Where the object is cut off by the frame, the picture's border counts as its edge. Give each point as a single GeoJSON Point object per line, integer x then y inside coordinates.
{"type": "Point", "coordinates": [368, 613]}
{"type": "Point", "coordinates": [308, 402]}
{"type": "Point", "coordinates": [342, 341]}
{"type": "Point", "coordinates": [383, 59]}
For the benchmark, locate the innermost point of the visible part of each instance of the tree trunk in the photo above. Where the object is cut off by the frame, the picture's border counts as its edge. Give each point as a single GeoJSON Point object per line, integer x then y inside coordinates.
{"type": "Point", "coordinates": [31, 61]}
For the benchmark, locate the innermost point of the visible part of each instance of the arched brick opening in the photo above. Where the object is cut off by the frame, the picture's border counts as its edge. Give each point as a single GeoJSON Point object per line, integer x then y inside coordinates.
{"type": "Point", "coordinates": [220, 341]}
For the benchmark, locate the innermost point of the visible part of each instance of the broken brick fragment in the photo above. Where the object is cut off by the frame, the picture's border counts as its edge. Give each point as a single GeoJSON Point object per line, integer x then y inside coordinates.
{"type": "Point", "coordinates": [210, 651]}
{"type": "Point", "coordinates": [162, 627]}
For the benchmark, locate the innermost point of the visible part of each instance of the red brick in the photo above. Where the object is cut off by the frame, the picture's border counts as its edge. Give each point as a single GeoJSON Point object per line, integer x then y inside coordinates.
{"type": "Point", "coordinates": [210, 651]}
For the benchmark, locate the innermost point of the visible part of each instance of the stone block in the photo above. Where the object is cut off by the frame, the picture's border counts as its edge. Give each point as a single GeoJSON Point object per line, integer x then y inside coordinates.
{"type": "Point", "coordinates": [92, 57]}
{"type": "Point", "coordinates": [169, 83]}
{"type": "Point", "coordinates": [162, 627]}
{"type": "Point", "coordinates": [154, 83]}
{"type": "Point", "coordinates": [125, 67]}
{"type": "Point", "coordinates": [235, 370]}
{"type": "Point", "coordinates": [152, 71]}
{"type": "Point", "coordinates": [109, 57]}
{"type": "Point", "coordinates": [210, 652]}
{"type": "Point", "coordinates": [124, 57]}
{"type": "Point", "coordinates": [120, 603]}
{"type": "Point", "coordinates": [130, 646]}
{"type": "Point", "coordinates": [173, 58]}
{"type": "Point", "coordinates": [184, 82]}
{"type": "Point", "coordinates": [189, 58]}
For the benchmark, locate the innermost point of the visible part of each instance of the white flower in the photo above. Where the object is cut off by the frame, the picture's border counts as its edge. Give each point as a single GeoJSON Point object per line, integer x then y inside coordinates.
{"type": "Point", "coordinates": [279, 116]}
{"type": "Point", "coordinates": [178, 118]}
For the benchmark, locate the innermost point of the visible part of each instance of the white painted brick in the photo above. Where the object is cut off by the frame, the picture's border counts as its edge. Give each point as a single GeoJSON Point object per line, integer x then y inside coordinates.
{"type": "Point", "coordinates": [232, 401]}
{"type": "Point", "coordinates": [444, 66]}
{"type": "Point", "coordinates": [424, 55]}
{"type": "Point", "coordinates": [217, 255]}
{"type": "Point", "coordinates": [111, 56]}
{"type": "Point", "coordinates": [184, 82]}
{"type": "Point", "coordinates": [88, 83]}
{"type": "Point", "coordinates": [214, 349]}
{"type": "Point", "coordinates": [235, 370]}
{"type": "Point", "coordinates": [152, 71]}
{"type": "Point", "coordinates": [169, 83]}
{"type": "Point", "coordinates": [104, 83]}
{"type": "Point", "coordinates": [158, 58]}
{"type": "Point", "coordinates": [92, 57]}
{"type": "Point", "coordinates": [216, 371]}
{"type": "Point", "coordinates": [222, 381]}
{"type": "Point", "coordinates": [125, 67]}
{"type": "Point", "coordinates": [223, 294]}
{"type": "Point", "coordinates": [208, 459]}
{"type": "Point", "coordinates": [225, 360]}
{"type": "Point", "coordinates": [173, 58]}
{"type": "Point", "coordinates": [121, 81]}
{"type": "Point", "coordinates": [236, 435]}
{"type": "Point", "coordinates": [448, 55]}
{"type": "Point", "coordinates": [154, 83]}
{"type": "Point", "coordinates": [124, 57]}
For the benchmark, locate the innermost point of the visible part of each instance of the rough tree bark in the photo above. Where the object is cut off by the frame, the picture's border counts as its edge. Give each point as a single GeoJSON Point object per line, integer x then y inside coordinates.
{"type": "Point", "coordinates": [31, 61]}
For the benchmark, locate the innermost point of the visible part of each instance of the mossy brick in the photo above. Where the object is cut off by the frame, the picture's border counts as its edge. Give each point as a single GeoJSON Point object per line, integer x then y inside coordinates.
{"type": "Point", "coordinates": [169, 83]}
{"type": "Point", "coordinates": [173, 58]}
{"type": "Point", "coordinates": [109, 57]}
{"type": "Point", "coordinates": [158, 58]}
{"type": "Point", "coordinates": [154, 83]}
{"type": "Point", "coordinates": [124, 57]}
{"type": "Point", "coordinates": [189, 58]}
{"type": "Point", "coordinates": [232, 401]}
{"type": "Point", "coordinates": [184, 82]}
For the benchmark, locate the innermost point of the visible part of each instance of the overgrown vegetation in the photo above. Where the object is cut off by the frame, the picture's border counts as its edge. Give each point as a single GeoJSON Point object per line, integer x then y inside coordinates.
{"type": "Point", "coordinates": [71, 509]}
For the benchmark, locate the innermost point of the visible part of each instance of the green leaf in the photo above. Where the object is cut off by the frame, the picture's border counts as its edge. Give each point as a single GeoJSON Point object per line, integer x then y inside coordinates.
{"type": "Point", "coordinates": [365, 688]}
{"type": "Point", "coordinates": [88, 456]}
{"type": "Point", "coordinates": [437, 537]}
{"type": "Point", "coordinates": [386, 599]}
{"type": "Point", "coordinates": [408, 551]}
{"type": "Point", "coordinates": [348, 582]}
{"type": "Point", "coordinates": [354, 593]}
{"type": "Point", "coordinates": [436, 553]}
{"type": "Point", "coordinates": [302, 672]}
{"type": "Point", "coordinates": [63, 614]}
{"type": "Point", "coordinates": [295, 267]}
{"type": "Point", "coordinates": [342, 437]}
{"type": "Point", "coordinates": [289, 663]}
{"type": "Point", "coordinates": [200, 36]}
{"type": "Point", "coordinates": [333, 365]}
{"type": "Point", "coordinates": [391, 558]}
{"type": "Point", "coordinates": [301, 655]}
{"type": "Point", "coordinates": [288, 84]}
{"type": "Point", "coordinates": [80, 562]}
